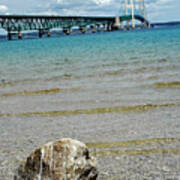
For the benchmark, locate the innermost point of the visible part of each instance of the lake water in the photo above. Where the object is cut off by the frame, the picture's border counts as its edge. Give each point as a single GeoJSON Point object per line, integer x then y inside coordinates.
{"type": "Point", "coordinates": [91, 71]}
{"type": "Point", "coordinates": [115, 86]}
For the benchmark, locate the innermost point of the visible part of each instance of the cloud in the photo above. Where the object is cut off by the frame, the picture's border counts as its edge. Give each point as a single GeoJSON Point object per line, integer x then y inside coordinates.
{"type": "Point", "coordinates": [3, 9]}
{"type": "Point", "coordinates": [81, 7]}
{"type": "Point", "coordinates": [102, 7]}
{"type": "Point", "coordinates": [156, 9]}
{"type": "Point", "coordinates": [163, 10]}
{"type": "Point", "coordinates": [102, 2]}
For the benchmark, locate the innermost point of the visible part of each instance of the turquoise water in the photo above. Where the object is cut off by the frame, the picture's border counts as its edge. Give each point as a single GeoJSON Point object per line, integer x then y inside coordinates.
{"type": "Point", "coordinates": [140, 47]}
{"type": "Point", "coordinates": [107, 69]}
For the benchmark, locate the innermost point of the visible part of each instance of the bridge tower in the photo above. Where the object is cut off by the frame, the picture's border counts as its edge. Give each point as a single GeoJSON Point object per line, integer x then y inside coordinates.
{"type": "Point", "coordinates": [142, 9]}
{"type": "Point", "coordinates": [132, 8]}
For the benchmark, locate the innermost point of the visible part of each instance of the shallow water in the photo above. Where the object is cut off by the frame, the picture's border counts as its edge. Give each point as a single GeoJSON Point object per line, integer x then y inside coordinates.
{"type": "Point", "coordinates": [99, 88]}
{"type": "Point", "coordinates": [101, 70]}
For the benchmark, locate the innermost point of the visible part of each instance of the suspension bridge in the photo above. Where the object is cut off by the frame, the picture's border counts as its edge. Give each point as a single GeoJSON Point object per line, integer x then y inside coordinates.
{"type": "Point", "coordinates": [130, 12]}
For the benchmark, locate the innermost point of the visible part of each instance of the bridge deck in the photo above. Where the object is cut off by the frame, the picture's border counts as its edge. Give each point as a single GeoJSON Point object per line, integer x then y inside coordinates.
{"type": "Point", "coordinates": [18, 23]}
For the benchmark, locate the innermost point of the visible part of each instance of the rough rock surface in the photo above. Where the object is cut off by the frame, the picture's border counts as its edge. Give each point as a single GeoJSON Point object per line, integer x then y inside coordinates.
{"type": "Point", "coordinates": [65, 159]}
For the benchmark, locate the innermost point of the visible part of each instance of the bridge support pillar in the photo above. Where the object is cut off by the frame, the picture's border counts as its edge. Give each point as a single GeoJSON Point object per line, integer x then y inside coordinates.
{"type": "Point", "coordinates": [127, 25]}
{"type": "Point", "coordinates": [40, 33]}
{"type": "Point", "coordinates": [145, 24]}
{"type": "Point", "coordinates": [133, 24]}
{"type": "Point", "coordinates": [122, 25]}
{"type": "Point", "coordinates": [19, 35]}
{"type": "Point", "coordinates": [109, 27]}
{"type": "Point", "coordinates": [98, 28]}
{"type": "Point", "coordinates": [9, 36]}
{"type": "Point", "coordinates": [83, 29]}
{"type": "Point", "coordinates": [48, 34]}
{"type": "Point", "coordinates": [67, 31]}
{"type": "Point", "coordinates": [117, 23]}
{"type": "Point", "coordinates": [93, 28]}
{"type": "Point", "coordinates": [149, 25]}
{"type": "Point", "coordinates": [104, 27]}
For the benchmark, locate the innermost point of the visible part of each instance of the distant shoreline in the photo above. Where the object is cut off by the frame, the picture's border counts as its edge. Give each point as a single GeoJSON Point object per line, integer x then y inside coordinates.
{"type": "Point", "coordinates": [171, 23]}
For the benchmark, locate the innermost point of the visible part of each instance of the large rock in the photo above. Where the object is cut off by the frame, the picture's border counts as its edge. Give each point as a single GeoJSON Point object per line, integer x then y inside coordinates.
{"type": "Point", "coordinates": [65, 159]}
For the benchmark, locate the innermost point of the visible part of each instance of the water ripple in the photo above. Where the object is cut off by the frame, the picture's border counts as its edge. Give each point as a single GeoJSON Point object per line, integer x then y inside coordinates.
{"type": "Point", "coordinates": [124, 109]}
{"type": "Point", "coordinates": [175, 84]}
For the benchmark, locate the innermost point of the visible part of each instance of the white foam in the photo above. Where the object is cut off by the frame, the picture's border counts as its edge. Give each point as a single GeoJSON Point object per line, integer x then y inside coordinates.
{"type": "Point", "coordinates": [41, 164]}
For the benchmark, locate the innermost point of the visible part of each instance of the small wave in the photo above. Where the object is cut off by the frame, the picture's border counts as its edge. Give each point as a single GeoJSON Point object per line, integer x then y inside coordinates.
{"type": "Point", "coordinates": [125, 109]}
{"type": "Point", "coordinates": [133, 152]}
{"type": "Point", "coordinates": [152, 77]}
{"type": "Point", "coordinates": [49, 91]}
{"type": "Point", "coordinates": [175, 84]}
{"type": "Point", "coordinates": [141, 142]}
{"type": "Point", "coordinates": [64, 77]}
{"type": "Point", "coordinates": [15, 82]}
{"type": "Point", "coordinates": [39, 92]}
{"type": "Point", "coordinates": [163, 60]}
{"type": "Point", "coordinates": [113, 73]}
{"type": "Point", "coordinates": [132, 147]}
{"type": "Point", "coordinates": [4, 84]}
